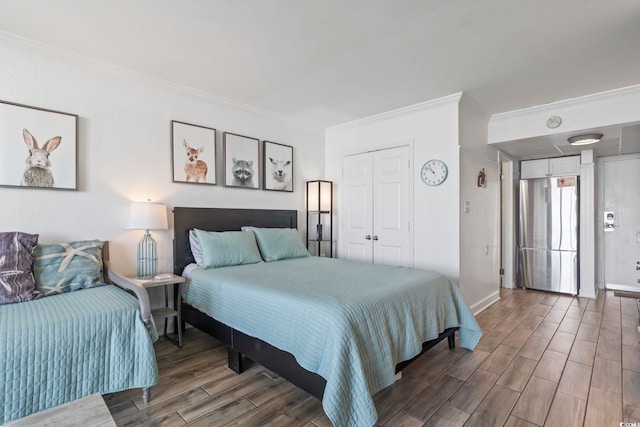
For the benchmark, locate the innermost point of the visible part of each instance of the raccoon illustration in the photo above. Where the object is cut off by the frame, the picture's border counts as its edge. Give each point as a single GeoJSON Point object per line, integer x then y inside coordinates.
{"type": "Point", "coordinates": [242, 173]}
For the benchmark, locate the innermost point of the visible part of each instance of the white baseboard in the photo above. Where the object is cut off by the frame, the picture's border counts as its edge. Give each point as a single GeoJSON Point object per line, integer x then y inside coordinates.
{"type": "Point", "coordinates": [485, 302]}
{"type": "Point", "coordinates": [591, 293]}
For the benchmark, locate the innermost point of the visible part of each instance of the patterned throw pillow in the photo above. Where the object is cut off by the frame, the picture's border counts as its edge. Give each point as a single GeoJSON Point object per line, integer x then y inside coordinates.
{"type": "Point", "coordinates": [16, 279]}
{"type": "Point", "coordinates": [68, 266]}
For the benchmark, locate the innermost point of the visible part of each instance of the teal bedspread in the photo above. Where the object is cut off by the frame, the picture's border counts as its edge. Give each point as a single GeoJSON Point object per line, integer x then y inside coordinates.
{"type": "Point", "coordinates": [63, 347]}
{"type": "Point", "coordinates": [349, 322]}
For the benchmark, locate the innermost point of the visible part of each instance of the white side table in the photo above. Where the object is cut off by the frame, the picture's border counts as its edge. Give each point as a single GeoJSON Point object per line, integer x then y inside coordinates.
{"type": "Point", "coordinates": [175, 282]}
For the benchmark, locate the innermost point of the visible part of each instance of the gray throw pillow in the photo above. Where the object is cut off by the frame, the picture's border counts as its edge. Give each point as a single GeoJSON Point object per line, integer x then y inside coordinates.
{"type": "Point", "coordinates": [16, 278]}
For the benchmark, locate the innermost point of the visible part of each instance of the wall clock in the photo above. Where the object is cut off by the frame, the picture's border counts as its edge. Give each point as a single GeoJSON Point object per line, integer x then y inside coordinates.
{"type": "Point", "coordinates": [434, 172]}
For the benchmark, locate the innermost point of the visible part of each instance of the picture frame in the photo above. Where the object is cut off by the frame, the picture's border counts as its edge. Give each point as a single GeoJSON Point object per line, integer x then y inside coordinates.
{"type": "Point", "coordinates": [38, 147]}
{"type": "Point", "coordinates": [241, 161]}
{"type": "Point", "coordinates": [277, 161]}
{"type": "Point", "coordinates": [193, 153]}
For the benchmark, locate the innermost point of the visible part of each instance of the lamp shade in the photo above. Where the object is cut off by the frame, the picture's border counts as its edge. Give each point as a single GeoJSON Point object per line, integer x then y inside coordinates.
{"type": "Point", "coordinates": [319, 196]}
{"type": "Point", "coordinates": [147, 216]}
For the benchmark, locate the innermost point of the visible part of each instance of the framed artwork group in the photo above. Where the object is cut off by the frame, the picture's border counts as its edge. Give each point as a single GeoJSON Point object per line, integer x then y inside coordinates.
{"type": "Point", "coordinates": [194, 159]}
{"type": "Point", "coordinates": [39, 149]}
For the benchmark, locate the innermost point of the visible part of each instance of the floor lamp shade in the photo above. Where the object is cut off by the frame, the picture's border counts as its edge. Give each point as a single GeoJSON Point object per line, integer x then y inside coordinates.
{"type": "Point", "coordinates": [147, 216]}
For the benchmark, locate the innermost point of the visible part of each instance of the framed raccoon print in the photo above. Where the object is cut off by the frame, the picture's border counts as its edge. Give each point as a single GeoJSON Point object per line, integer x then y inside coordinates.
{"type": "Point", "coordinates": [241, 161]}
{"type": "Point", "coordinates": [193, 153]}
{"type": "Point", "coordinates": [278, 166]}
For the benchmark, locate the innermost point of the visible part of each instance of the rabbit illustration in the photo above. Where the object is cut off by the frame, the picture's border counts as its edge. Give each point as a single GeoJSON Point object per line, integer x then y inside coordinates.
{"type": "Point", "coordinates": [38, 172]}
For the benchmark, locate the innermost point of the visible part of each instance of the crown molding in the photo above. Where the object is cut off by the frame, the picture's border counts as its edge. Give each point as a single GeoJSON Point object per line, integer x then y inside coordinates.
{"type": "Point", "coordinates": [566, 103]}
{"type": "Point", "coordinates": [422, 106]}
{"type": "Point", "coordinates": [128, 72]}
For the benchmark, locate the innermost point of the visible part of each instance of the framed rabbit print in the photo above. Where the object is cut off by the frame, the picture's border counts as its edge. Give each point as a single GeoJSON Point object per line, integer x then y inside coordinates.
{"type": "Point", "coordinates": [38, 147]}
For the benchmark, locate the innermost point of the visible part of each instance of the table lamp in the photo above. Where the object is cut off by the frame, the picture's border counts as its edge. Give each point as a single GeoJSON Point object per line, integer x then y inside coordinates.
{"type": "Point", "coordinates": [147, 216]}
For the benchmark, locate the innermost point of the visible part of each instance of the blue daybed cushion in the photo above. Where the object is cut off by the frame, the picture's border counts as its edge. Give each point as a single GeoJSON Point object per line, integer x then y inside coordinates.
{"type": "Point", "coordinates": [67, 346]}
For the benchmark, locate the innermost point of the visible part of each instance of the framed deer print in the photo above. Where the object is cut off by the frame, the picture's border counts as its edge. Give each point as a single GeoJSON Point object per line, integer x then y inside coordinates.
{"type": "Point", "coordinates": [38, 147]}
{"type": "Point", "coordinates": [193, 153]}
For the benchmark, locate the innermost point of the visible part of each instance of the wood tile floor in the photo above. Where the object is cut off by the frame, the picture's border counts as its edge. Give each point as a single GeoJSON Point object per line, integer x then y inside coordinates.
{"type": "Point", "coordinates": [545, 359]}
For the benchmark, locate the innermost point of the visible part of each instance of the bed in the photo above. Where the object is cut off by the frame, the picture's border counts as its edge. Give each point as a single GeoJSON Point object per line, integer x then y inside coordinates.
{"type": "Point", "coordinates": [346, 346]}
{"type": "Point", "coordinates": [65, 346]}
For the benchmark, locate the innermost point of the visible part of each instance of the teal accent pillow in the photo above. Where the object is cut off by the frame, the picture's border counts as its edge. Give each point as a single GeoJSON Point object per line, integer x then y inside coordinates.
{"type": "Point", "coordinates": [68, 266]}
{"type": "Point", "coordinates": [222, 249]}
{"type": "Point", "coordinates": [279, 243]}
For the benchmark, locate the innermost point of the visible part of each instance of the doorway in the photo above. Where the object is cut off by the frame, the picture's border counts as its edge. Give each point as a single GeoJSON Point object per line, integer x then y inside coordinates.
{"type": "Point", "coordinates": [377, 210]}
{"type": "Point", "coordinates": [619, 222]}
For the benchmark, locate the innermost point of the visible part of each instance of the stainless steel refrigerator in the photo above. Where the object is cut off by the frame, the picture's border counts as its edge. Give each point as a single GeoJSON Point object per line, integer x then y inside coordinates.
{"type": "Point", "coordinates": [548, 234]}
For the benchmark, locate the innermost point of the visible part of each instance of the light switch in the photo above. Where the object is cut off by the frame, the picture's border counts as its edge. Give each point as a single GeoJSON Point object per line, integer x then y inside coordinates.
{"type": "Point", "coordinates": [467, 207]}
{"type": "Point", "coordinates": [638, 236]}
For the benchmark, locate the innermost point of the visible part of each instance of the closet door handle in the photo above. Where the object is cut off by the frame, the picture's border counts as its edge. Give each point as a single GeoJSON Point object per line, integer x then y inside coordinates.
{"type": "Point", "coordinates": [368, 237]}
{"type": "Point", "coordinates": [375, 237]}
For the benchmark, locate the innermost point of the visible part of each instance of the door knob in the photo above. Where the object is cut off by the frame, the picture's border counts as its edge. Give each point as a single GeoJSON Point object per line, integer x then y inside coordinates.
{"type": "Point", "coordinates": [375, 237]}
{"type": "Point", "coordinates": [368, 237]}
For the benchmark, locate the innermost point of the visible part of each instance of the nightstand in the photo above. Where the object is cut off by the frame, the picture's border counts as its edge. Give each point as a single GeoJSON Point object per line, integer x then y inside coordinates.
{"type": "Point", "coordinates": [140, 286]}
{"type": "Point", "coordinates": [175, 283]}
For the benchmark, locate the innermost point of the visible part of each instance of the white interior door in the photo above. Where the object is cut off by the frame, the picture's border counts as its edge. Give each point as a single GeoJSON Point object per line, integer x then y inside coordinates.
{"type": "Point", "coordinates": [392, 235]}
{"type": "Point", "coordinates": [357, 203]}
{"type": "Point", "coordinates": [621, 223]}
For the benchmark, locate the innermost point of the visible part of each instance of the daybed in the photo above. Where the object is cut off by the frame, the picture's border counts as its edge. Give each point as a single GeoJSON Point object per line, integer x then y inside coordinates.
{"type": "Point", "coordinates": [81, 337]}
{"type": "Point", "coordinates": [338, 329]}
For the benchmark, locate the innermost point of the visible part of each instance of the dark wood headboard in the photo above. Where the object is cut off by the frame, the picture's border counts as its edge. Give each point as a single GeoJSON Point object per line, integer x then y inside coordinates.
{"type": "Point", "coordinates": [220, 219]}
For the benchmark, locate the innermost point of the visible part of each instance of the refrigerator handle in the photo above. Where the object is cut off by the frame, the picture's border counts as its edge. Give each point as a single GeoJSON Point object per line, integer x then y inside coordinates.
{"type": "Point", "coordinates": [546, 194]}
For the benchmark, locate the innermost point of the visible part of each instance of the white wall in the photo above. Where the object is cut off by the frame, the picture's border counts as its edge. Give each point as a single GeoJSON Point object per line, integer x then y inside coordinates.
{"type": "Point", "coordinates": [431, 128]}
{"type": "Point", "coordinates": [465, 247]}
{"type": "Point", "coordinates": [125, 149]}
{"type": "Point", "coordinates": [479, 210]}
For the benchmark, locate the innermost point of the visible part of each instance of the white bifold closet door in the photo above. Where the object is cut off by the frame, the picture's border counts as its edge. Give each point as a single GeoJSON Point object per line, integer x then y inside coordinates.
{"type": "Point", "coordinates": [376, 200]}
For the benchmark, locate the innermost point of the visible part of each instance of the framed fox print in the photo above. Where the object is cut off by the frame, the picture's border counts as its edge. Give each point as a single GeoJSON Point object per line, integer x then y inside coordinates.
{"type": "Point", "coordinates": [38, 147]}
{"type": "Point", "coordinates": [241, 161]}
{"type": "Point", "coordinates": [278, 166]}
{"type": "Point", "coordinates": [193, 153]}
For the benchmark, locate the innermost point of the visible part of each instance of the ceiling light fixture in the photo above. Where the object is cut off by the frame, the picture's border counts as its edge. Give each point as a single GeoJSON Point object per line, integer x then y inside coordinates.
{"type": "Point", "coordinates": [589, 138]}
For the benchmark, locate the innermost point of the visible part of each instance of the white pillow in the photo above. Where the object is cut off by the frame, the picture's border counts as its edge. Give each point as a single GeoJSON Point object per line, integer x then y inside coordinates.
{"type": "Point", "coordinates": [196, 248]}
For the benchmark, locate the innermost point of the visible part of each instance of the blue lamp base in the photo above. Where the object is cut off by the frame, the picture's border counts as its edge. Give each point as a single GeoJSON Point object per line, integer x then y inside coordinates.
{"type": "Point", "coordinates": [147, 257]}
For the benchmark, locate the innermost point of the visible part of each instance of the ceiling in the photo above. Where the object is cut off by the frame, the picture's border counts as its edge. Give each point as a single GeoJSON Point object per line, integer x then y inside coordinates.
{"type": "Point", "coordinates": [325, 62]}
{"type": "Point", "coordinates": [616, 140]}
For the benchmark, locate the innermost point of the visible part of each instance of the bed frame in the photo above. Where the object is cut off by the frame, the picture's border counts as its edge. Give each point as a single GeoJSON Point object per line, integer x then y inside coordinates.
{"type": "Point", "coordinates": [238, 344]}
